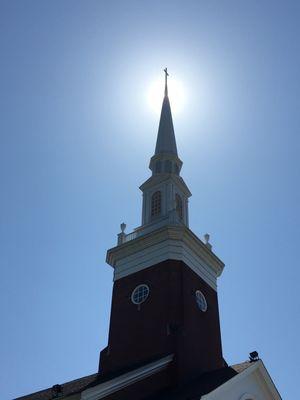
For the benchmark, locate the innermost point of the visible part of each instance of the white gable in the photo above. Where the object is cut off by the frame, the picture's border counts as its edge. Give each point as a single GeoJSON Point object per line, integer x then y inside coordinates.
{"type": "Point", "coordinates": [254, 383]}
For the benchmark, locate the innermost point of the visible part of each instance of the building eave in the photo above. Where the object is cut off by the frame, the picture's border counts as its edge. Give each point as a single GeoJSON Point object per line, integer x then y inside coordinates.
{"type": "Point", "coordinates": [169, 242]}
{"type": "Point", "coordinates": [106, 388]}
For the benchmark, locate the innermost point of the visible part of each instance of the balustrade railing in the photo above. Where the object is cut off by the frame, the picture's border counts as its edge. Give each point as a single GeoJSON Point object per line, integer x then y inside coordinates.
{"type": "Point", "coordinates": [123, 238]}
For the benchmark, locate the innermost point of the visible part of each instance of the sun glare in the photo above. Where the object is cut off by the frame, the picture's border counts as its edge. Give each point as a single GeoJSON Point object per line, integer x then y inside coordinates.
{"type": "Point", "coordinates": [176, 94]}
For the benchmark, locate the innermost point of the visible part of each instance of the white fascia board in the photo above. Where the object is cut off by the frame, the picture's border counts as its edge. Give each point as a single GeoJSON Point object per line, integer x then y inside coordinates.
{"type": "Point", "coordinates": [104, 389]}
{"type": "Point", "coordinates": [264, 377]}
{"type": "Point", "coordinates": [165, 178]}
{"type": "Point", "coordinates": [257, 369]}
{"type": "Point", "coordinates": [171, 242]}
{"type": "Point", "coordinates": [175, 232]}
{"type": "Point", "coordinates": [154, 180]}
{"type": "Point", "coordinates": [165, 250]}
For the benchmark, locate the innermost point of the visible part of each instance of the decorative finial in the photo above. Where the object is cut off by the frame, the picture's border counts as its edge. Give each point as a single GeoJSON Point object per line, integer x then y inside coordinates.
{"type": "Point", "coordinates": [166, 81]}
{"type": "Point", "coordinates": [206, 238]}
{"type": "Point", "coordinates": [122, 234]}
{"type": "Point", "coordinates": [123, 227]}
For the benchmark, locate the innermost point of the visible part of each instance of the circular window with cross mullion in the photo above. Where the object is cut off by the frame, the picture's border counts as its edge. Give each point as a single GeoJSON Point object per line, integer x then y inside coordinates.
{"type": "Point", "coordinates": [201, 300]}
{"type": "Point", "coordinates": [140, 294]}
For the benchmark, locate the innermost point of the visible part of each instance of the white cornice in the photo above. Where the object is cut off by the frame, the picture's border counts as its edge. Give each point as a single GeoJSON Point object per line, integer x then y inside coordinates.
{"type": "Point", "coordinates": [157, 179]}
{"type": "Point", "coordinates": [171, 242]}
{"type": "Point", "coordinates": [104, 389]}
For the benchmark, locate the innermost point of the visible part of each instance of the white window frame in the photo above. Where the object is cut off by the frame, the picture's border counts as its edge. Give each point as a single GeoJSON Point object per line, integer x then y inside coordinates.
{"type": "Point", "coordinates": [198, 295]}
{"type": "Point", "coordinates": [135, 290]}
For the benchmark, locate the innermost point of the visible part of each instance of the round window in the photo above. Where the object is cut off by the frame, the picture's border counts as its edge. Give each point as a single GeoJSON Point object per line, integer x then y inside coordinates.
{"type": "Point", "coordinates": [201, 301]}
{"type": "Point", "coordinates": [140, 294]}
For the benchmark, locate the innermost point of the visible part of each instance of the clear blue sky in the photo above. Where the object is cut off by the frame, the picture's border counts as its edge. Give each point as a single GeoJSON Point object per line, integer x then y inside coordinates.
{"type": "Point", "coordinates": [76, 138]}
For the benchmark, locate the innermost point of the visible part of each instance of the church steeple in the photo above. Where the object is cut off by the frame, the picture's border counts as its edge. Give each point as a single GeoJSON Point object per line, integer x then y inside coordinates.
{"type": "Point", "coordinates": [164, 297]}
{"type": "Point", "coordinates": [166, 142]}
{"type": "Point", "coordinates": [165, 195]}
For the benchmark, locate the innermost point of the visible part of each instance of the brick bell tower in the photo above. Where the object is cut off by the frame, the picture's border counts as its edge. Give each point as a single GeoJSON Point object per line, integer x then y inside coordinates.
{"type": "Point", "coordinates": [165, 302]}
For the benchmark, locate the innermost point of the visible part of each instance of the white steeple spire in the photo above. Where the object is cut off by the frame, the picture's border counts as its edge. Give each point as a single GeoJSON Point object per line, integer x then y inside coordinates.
{"type": "Point", "coordinates": [166, 142]}
{"type": "Point", "coordinates": [165, 159]}
{"type": "Point", "coordinates": [165, 194]}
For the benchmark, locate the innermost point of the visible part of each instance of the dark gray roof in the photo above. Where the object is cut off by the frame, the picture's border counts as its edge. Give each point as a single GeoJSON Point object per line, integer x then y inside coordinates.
{"type": "Point", "coordinates": [198, 387]}
{"type": "Point", "coordinates": [68, 388]}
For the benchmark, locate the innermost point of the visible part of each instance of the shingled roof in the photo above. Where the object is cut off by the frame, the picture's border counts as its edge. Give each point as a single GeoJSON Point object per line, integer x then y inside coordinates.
{"type": "Point", "coordinates": [68, 388]}
{"type": "Point", "coordinates": [202, 385]}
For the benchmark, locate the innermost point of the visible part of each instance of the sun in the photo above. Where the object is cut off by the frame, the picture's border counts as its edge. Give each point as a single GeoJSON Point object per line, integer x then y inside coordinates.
{"type": "Point", "coordinates": [176, 94]}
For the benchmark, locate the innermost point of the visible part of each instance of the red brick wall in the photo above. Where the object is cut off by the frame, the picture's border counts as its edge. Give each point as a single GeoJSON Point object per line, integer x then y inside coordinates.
{"type": "Point", "coordinates": [169, 321]}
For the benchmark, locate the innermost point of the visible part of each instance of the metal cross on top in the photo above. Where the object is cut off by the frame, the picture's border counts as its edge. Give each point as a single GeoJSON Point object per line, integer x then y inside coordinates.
{"type": "Point", "coordinates": [166, 81]}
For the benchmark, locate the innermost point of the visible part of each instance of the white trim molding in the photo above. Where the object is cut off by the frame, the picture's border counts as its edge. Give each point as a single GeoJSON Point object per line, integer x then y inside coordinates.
{"type": "Point", "coordinates": [124, 380]}
{"type": "Point", "coordinates": [170, 242]}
